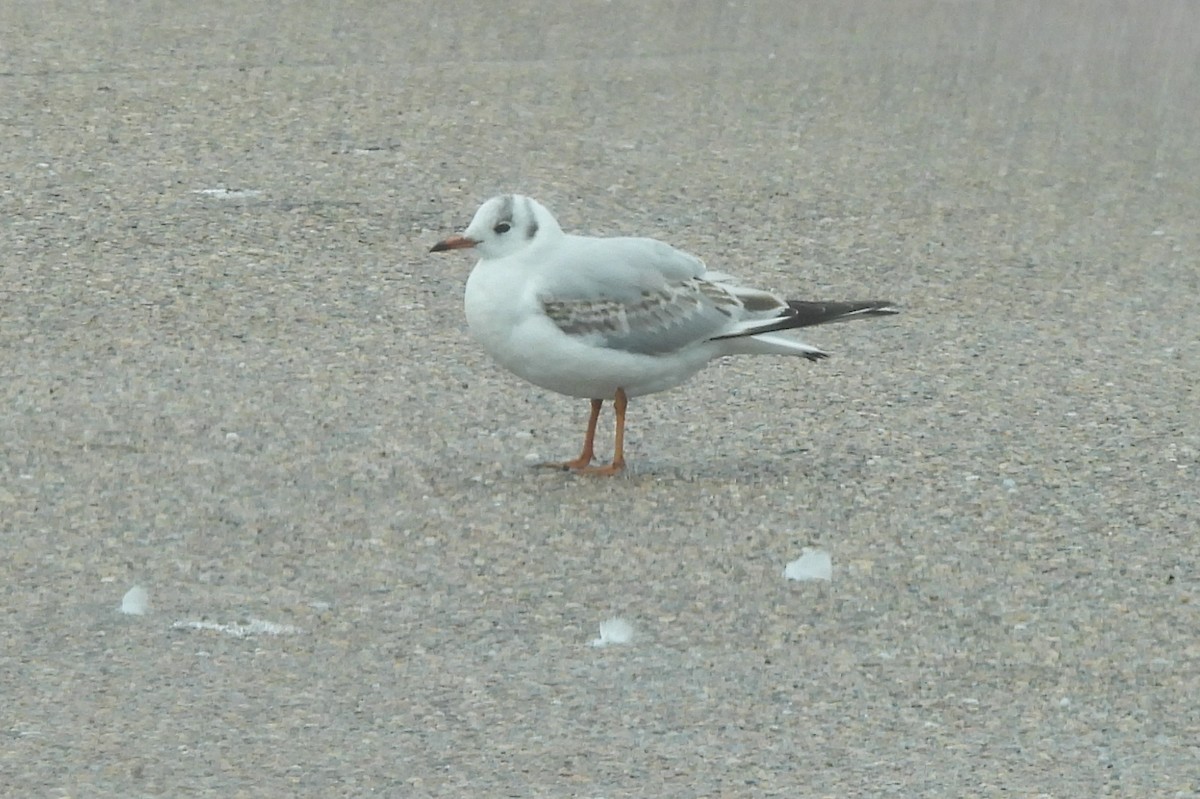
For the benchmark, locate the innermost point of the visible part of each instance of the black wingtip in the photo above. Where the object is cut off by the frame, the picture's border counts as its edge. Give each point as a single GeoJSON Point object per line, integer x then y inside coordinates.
{"type": "Point", "coordinates": [807, 314]}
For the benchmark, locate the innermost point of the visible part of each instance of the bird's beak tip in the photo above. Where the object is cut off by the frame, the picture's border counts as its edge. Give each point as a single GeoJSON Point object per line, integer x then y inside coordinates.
{"type": "Point", "coordinates": [453, 243]}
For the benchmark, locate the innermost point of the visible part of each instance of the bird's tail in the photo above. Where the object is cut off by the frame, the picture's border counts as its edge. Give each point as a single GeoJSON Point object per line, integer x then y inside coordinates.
{"type": "Point", "coordinates": [802, 313]}
{"type": "Point", "coordinates": [770, 345]}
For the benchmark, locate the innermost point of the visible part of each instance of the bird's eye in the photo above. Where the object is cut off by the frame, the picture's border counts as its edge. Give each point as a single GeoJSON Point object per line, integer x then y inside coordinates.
{"type": "Point", "coordinates": [503, 227]}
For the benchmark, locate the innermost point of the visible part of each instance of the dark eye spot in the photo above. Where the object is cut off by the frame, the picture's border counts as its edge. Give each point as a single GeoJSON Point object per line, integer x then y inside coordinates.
{"type": "Point", "coordinates": [503, 227]}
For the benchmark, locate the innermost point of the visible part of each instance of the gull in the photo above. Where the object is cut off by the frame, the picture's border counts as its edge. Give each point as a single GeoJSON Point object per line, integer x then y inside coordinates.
{"type": "Point", "coordinates": [614, 318]}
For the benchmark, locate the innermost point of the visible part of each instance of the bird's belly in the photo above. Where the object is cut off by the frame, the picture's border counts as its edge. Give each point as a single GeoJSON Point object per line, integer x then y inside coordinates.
{"type": "Point", "coordinates": [578, 369]}
{"type": "Point", "coordinates": [535, 349]}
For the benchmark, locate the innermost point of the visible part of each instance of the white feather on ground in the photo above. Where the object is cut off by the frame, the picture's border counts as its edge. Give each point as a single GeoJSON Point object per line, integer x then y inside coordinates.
{"type": "Point", "coordinates": [813, 564]}
{"type": "Point", "coordinates": [136, 601]}
{"type": "Point", "coordinates": [614, 631]}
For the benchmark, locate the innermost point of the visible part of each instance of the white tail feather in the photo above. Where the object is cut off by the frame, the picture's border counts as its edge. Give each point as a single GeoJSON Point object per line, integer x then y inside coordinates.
{"type": "Point", "coordinates": [768, 344]}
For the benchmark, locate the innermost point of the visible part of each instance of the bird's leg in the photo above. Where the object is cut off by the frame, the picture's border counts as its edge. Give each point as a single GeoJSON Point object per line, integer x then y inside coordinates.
{"type": "Point", "coordinates": [585, 457]}
{"type": "Point", "coordinates": [618, 461]}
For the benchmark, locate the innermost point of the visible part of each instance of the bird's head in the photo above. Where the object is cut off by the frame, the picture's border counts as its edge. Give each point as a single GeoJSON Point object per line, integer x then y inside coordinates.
{"type": "Point", "coordinates": [503, 226]}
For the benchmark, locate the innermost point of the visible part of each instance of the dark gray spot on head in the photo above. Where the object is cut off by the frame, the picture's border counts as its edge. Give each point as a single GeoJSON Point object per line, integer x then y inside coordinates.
{"type": "Point", "coordinates": [506, 209]}
{"type": "Point", "coordinates": [503, 221]}
{"type": "Point", "coordinates": [532, 228]}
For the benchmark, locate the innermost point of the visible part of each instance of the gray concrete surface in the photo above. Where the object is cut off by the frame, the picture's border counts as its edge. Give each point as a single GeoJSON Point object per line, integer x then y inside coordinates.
{"type": "Point", "coordinates": [263, 404]}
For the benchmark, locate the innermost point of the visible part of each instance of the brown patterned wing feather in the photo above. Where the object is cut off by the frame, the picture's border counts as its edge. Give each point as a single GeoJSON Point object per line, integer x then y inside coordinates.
{"type": "Point", "coordinates": [656, 322]}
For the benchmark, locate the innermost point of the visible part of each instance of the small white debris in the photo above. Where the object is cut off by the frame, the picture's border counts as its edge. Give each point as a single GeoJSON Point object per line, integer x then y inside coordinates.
{"type": "Point", "coordinates": [239, 629]}
{"type": "Point", "coordinates": [228, 194]}
{"type": "Point", "coordinates": [135, 602]}
{"type": "Point", "coordinates": [813, 564]}
{"type": "Point", "coordinates": [614, 631]}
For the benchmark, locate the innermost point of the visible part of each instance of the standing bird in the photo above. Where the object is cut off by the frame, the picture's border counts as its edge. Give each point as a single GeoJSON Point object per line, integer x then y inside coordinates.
{"type": "Point", "coordinates": [613, 318]}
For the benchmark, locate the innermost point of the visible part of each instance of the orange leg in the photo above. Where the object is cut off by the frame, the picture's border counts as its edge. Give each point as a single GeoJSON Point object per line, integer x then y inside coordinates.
{"type": "Point", "coordinates": [618, 461]}
{"type": "Point", "coordinates": [585, 457]}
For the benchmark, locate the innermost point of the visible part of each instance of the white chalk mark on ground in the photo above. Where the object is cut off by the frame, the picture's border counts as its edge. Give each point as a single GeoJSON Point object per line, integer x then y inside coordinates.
{"type": "Point", "coordinates": [239, 629]}
{"type": "Point", "coordinates": [228, 194]}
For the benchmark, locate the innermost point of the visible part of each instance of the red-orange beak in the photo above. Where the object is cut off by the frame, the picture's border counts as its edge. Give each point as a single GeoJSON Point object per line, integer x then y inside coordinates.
{"type": "Point", "coordinates": [453, 243]}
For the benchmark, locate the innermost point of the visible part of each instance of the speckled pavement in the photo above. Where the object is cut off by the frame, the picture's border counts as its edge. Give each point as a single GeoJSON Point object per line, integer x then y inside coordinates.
{"type": "Point", "coordinates": [231, 373]}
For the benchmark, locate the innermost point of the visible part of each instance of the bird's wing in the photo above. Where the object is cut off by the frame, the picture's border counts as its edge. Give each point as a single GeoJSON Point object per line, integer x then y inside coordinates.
{"type": "Point", "coordinates": [644, 296]}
